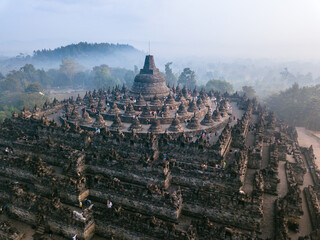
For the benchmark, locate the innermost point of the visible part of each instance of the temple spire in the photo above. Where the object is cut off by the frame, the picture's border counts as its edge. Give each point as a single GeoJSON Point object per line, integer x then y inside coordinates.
{"type": "Point", "coordinates": [149, 82]}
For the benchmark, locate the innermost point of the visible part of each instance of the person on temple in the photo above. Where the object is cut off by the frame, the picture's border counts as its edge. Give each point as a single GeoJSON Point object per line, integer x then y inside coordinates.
{"type": "Point", "coordinates": [109, 204]}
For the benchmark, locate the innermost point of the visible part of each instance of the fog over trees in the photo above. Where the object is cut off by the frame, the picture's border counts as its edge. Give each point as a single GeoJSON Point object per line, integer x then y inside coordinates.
{"type": "Point", "coordinates": [86, 66]}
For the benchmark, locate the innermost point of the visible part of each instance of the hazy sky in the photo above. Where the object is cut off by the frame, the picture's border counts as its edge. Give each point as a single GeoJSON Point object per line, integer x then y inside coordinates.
{"type": "Point", "coordinates": [217, 28]}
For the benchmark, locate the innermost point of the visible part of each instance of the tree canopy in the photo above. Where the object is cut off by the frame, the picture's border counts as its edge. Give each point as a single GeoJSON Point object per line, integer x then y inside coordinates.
{"type": "Point", "coordinates": [249, 91]}
{"type": "Point", "coordinates": [80, 49]}
{"type": "Point", "coordinates": [298, 106]}
{"type": "Point", "coordinates": [69, 68]}
{"type": "Point", "coordinates": [102, 77]}
{"type": "Point", "coordinates": [187, 78]}
{"type": "Point", "coordinates": [171, 79]}
{"type": "Point", "coordinates": [219, 85]}
{"type": "Point", "coordinates": [33, 88]}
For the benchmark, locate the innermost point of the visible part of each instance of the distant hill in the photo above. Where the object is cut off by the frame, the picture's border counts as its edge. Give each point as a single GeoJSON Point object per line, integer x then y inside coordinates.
{"type": "Point", "coordinates": [86, 54]}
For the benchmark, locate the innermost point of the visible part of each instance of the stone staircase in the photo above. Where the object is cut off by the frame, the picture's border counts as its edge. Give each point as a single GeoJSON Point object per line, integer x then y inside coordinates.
{"type": "Point", "coordinates": [40, 230]}
{"type": "Point", "coordinates": [38, 235]}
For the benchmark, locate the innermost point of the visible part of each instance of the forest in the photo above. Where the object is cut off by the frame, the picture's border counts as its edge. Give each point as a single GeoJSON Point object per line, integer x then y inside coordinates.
{"type": "Point", "coordinates": [85, 66]}
{"type": "Point", "coordinates": [86, 54]}
{"type": "Point", "coordinates": [81, 49]}
{"type": "Point", "coordinates": [28, 85]}
{"type": "Point", "coordinates": [298, 106]}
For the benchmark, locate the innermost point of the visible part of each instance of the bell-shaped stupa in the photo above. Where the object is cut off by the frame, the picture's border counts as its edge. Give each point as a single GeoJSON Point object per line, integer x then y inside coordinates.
{"type": "Point", "coordinates": [150, 82]}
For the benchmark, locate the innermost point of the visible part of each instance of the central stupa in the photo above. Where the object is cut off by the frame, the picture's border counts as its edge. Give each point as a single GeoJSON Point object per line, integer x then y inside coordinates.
{"type": "Point", "coordinates": [149, 82]}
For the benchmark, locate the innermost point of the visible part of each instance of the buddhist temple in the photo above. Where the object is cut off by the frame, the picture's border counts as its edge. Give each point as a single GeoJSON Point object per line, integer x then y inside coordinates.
{"type": "Point", "coordinates": [135, 164]}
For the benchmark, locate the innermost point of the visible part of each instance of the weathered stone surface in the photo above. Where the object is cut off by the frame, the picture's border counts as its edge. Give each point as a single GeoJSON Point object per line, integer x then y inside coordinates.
{"type": "Point", "coordinates": [155, 126]}
{"type": "Point", "coordinates": [167, 177]}
{"type": "Point", "coordinates": [117, 124]}
{"type": "Point", "coordinates": [149, 82]}
{"type": "Point", "coordinates": [175, 125]}
{"type": "Point", "coordinates": [194, 123]}
{"type": "Point", "coordinates": [136, 125]}
{"type": "Point", "coordinates": [100, 122]}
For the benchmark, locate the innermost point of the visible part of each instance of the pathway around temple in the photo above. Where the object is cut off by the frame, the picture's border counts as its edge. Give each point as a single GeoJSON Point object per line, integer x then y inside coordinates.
{"type": "Point", "coordinates": [162, 186]}
{"type": "Point", "coordinates": [306, 138]}
{"type": "Point", "coordinates": [267, 226]}
{"type": "Point", "coordinates": [248, 184]}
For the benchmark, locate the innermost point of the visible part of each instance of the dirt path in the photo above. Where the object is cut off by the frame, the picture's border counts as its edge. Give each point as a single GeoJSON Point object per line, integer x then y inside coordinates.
{"type": "Point", "coordinates": [307, 138]}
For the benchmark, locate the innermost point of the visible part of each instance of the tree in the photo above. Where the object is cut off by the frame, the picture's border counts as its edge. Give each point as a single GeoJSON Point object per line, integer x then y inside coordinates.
{"type": "Point", "coordinates": [219, 85]}
{"type": "Point", "coordinates": [44, 78]}
{"type": "Point", "coordinates": [58, 78]}
{"type": "Point", "coordinates": [1, 76]}
{"type": "Point", "coordinates": [69, 68]}
{"type": "Point", "coordinates": [298, 106]}
{"type": "Point", "coordinates": [187, 78]}
{"type": "Point", "coordinates": [11, 84]}
{"type": "Point", "coordinates": [82, 79]}
{"type": "Point", "coordinates": [136, 70]}
{"type": "Point", "coordinates": [102, 77]}
{"type": "Point", "coordinates": [129, 78]}
{"type": "Point", "coordinates": [249, 91]}
{"type": "Point", "coordinates": [28, 71]}
{"type": "Point", "coordinates": [33, 87]}
{"type": "Point", "coordinates": [171, 79]}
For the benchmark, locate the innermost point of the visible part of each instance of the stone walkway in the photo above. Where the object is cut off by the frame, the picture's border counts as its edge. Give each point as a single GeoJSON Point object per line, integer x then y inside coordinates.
{"type": "Point", "coordinates": [250, 139]}
{"type": "Point", "coordinates": [305, 226]}
{"type": "Point", "coordinates": [236, 112]}
{"type": "Point", "coordinates": [265, 156]}
{"type": "Point", "coordinates": [305, 139]}
{"type": "Point", "coordinates": [267, 226]}
{"type": "Point", "coordinates": [20, 226]}
{"type": "Point", "coordinates": [248, 181]}
{"type": "Point", "coordinates": [282, 187]}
